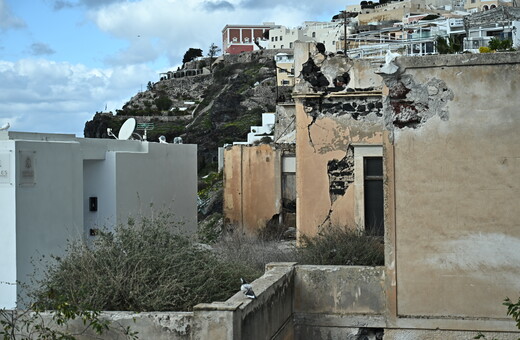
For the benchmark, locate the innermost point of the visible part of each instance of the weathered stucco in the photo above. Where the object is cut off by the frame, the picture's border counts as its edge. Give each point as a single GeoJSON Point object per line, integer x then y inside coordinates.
{"type": "Point", "coordinates": [455, 182]}
{"type": "Point", "coordinates": [327, 128]}
{"type": "Point", "coordinates": [252, 186]}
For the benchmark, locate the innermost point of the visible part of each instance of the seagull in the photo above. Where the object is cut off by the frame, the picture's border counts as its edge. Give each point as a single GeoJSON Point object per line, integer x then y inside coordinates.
{"type": "Point", "coordinates": [247, 289]}
{"type": "Point", "coordinates": [5, 127]}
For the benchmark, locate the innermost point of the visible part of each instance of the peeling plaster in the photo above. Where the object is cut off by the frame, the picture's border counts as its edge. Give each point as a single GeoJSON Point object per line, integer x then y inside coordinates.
{"type": "Point", "coordinates": [341, 174]}
{"type": "Point", "coordinates": [411, 105]}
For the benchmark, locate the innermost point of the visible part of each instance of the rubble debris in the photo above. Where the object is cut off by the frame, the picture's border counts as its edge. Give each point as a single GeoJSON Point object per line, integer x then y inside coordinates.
{"type": "Point", "coordinates": [341, 174]}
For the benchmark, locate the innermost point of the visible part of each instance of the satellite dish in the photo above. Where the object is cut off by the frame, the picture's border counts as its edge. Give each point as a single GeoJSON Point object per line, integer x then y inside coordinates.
{"type": "Point", "coordinates": [127, 129]}
{"type": "Point", "coordinates": [177, 140]}
{"type": "Point", "coordinates": [162, 140]}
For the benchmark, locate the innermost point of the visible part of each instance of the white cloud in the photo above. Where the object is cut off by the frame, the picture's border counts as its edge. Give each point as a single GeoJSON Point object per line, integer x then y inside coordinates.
{"type": "Point", "coordinates": [7, 19]}
{"type": "Point", "coordinates": [46, 96]}
{"type": "Point", "coordinates": [177, 25]}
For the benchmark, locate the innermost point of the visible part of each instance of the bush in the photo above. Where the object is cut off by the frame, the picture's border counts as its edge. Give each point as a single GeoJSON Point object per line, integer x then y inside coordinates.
{"type": "Point", "coordinates": [342, 246]}
{"type": "Point", "coordinates": [484, 49]}
{"type": "Point", "coordinates": [149, 266]}
{"type": "Point", "coordinates": [496, 44]}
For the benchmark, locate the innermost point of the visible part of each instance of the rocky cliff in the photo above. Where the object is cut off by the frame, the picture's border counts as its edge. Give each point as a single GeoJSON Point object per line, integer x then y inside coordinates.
{"type": "Point", "coordinates": [208, 109]}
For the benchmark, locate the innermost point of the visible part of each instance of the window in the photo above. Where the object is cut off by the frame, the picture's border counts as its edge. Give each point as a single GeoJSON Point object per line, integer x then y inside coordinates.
{"type": "Point", "coordinates": [281, 46]}
{"type": "Point", "coordinates": [281, 38]}
{"type": "Point", "coordinates": [373, 187]}
{"type": "Point", "coordinates": [285, 82]}
{"type": "Point", "coordinates": [290, 45]}
{"type": "Point", "coordinates": [314, 34]}
{"type": "Point", "coordinates": [368, 187]}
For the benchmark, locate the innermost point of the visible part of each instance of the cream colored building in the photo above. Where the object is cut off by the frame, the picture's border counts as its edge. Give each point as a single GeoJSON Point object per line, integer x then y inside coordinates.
{"type": "Point", "coordinates": [327, 33]}
{"type": "Point", "coordinates": [284, 69]}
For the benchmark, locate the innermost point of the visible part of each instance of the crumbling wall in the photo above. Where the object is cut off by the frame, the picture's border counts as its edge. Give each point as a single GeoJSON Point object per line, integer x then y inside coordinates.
{"type": "Point", "coordinates": [454, 236]}
{"type": "Point", "coordinates": [338, 104]}
{"type": "Point", "coordinates": [252, 186]}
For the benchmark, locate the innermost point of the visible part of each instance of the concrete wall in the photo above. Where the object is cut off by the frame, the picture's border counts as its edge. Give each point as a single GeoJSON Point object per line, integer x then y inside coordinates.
{"type": "Point", "coordinates": [8, 224]}
{"type": "Point", "coordinates": [452, 161]}
{"type": "Point", "coordinates": [252, 186]}
{"type": "Point", "coordinates": [49, 205]}
{"type": "Point", "coordinates": [150, 325]}
{"type": "Point", "coordinates": [163, 179]}
{"type": "Point", "coordinates": [335, 302]}
{"type": "Point", "coordinates": [267, 317]}
{"type": "Point", "coordinates": [99, 181]}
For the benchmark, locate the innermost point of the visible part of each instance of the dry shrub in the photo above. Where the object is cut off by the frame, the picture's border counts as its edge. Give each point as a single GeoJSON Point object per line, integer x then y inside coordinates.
{"type": "Point", "coordinates": [342, 246]}
{"type": "Point", "coordinates": [252, 251]}
{"type": "Point", "coordinates": [146, 267]}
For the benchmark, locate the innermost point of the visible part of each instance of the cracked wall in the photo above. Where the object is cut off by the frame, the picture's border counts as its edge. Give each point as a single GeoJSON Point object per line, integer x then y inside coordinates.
{"type": "Point", "coordinates": [456, 164]}
{"type": "Point", "coordinates": [338, 104]}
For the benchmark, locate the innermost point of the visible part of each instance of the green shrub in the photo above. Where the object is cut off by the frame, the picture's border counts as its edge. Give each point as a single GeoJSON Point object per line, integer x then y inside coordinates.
{"type": "Point", "coordinates": [163, 103]}
{"type": "Point", "coordinates": [149, 266]}
{"type": "Point", "coordinates": [342, 246]}
{"type": "Point", "coordinates": [496, 44]}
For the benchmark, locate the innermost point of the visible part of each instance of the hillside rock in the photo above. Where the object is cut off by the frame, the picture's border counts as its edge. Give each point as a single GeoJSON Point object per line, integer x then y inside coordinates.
{"type": "Point", "coordinates": [209, 110]}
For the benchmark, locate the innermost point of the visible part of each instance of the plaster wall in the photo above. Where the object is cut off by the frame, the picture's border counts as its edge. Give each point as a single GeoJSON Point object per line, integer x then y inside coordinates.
{"type": "Point", "coordinates": [163, 179]}
{"type": "Point", "coordinates": [252, 185]}
{"type": "Point", "coordinates": [99, 181]}
{"type": "Point", "coordinates": [8, 224]}
{"type": "Point", "coordinates": [323, 139]}
{"type": "Point", "coordinates": [456, 164]}
{"type": "Point", "coordinates": [49, 205]}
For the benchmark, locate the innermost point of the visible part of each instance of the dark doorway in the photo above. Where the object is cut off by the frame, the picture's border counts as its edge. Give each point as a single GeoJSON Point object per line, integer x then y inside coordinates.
{"type": "Point", "coordinates": [374, 205]}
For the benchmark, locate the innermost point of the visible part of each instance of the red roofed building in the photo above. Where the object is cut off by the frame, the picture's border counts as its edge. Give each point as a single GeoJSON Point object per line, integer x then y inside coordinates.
{"type": "Point", "coordinates": [241, 38]}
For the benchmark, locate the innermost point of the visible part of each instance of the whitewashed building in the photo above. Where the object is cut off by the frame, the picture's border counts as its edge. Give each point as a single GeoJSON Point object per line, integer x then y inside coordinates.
{"type": "Point", "coordinates": [55, 188]}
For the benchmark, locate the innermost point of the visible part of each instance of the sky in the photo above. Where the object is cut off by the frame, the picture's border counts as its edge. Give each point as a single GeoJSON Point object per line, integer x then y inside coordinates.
{"type": "Point", "coordinates": [61, 61]}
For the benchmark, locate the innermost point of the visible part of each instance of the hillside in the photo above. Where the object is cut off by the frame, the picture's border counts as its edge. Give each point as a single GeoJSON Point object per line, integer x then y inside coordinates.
{"type": "Point", "coordinates": [208, 109]}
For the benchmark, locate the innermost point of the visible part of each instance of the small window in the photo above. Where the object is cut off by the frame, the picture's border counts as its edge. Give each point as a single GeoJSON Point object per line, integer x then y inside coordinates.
{"type": "Point", "coordinates": [281, 38]}
{"type": "Point", "coordinates": [374, 198]}
{"type": "Point", "coordinates": [281, 46]}
{"type": "Point", "coordinates": [314, 34]}
{"type": "Point", "coordinates": [290, 45]}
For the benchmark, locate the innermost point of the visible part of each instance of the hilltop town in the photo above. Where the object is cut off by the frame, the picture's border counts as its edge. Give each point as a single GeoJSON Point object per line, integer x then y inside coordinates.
{"type": "Point", "coordinates": [396, 122]}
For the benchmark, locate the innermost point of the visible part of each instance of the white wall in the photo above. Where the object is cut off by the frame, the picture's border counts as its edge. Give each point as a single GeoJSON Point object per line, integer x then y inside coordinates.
{"type": "Point", "coordinates": [165, 177]}
{"type": "Point", "coordinates": [99, 181]}
{"type": "Point", "coordinates": [49, 210]}
{"type": "Point", "coordinates": [7, 226]}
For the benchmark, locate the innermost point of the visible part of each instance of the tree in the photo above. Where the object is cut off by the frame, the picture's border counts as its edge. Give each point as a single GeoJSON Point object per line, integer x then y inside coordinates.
{"type": "Point", "coordinates": [212, 52]}
{"type": "Point", "coordinates": [448, 46]}
{"type": "Point", "coordinates": [191, 54]}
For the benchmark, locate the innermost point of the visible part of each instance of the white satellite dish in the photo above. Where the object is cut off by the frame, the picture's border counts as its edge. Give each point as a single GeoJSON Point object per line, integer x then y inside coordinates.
{"type": "Point", "coordinates": [162, 140]}
{"type": "Point", "coordinates": [127, 129]}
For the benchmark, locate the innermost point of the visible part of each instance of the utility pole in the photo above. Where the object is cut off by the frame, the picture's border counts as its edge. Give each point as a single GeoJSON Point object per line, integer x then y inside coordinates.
{"type": "Point", "coordinates": [344, 13]}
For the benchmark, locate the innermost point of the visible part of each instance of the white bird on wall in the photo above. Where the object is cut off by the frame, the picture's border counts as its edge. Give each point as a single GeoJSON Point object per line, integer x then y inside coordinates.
{"type": "Point", "coordinates": [5, 127]}
{"type": "Point", "coordinates": [247, 289]}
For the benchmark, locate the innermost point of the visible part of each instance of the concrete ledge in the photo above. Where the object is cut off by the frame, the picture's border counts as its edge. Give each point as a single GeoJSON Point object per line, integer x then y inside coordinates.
{"type": "Point", "coordinates": [470, 59]}
{"type": "Point", "coordinates": [152, 325]}
{"type": "Point", "coordinates": [340, 321]}
{"type": "Point", "coordinates": [340, 290]}
{"type": "Point", "coordinates": [436, 334]}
